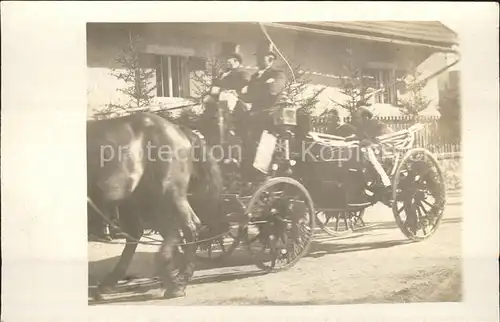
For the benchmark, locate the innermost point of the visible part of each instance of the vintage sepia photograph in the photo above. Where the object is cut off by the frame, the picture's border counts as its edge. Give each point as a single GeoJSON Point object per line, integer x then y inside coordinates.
{"type": "Point", "coordinates": [273, 163]}
{"type": "Point", "coordinates": [249, 161]}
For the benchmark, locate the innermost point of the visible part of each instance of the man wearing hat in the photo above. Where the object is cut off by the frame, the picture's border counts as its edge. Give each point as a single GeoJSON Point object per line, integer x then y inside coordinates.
{"type": "Point", "coordinates": [366, 128]}
{"type": "Point", "coordinates": [267, 83]}
{"type": "Point", "coordinates": [261, 95]}
{"type": "Point", "coordinates": [233, 78]}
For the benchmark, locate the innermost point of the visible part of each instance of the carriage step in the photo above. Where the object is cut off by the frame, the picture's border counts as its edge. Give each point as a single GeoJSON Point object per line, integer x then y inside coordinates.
{"type": "Point", "coordinates": [359, 205]}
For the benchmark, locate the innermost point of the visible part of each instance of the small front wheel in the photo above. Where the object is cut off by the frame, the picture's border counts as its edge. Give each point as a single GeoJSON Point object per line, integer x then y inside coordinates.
{"type": "Point", "coordinates": [281, 224]}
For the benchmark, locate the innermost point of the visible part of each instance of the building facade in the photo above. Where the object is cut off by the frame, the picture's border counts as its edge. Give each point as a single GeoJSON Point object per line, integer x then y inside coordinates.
{"type": "Point", "coordinates": [177, 52]}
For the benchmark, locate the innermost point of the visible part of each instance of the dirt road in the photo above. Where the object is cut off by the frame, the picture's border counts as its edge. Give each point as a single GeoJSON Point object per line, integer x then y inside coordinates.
{"type": "Point", "coordinates": [375, 265]}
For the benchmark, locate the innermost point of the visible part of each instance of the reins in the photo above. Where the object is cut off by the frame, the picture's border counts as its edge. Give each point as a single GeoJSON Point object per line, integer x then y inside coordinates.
{"type": "Point", "coordinates": [153, 242]}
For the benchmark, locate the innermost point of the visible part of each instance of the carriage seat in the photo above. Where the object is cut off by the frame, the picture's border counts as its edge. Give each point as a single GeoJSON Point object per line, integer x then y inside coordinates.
{"type": "Point", "coordinates": [400, 140]}
{"type": "Point", "coordinates": [393, 135]}
{"type": "Point", "coordinates": [332, 140]}
{"type": "Point", "coordinates": [402, 134]}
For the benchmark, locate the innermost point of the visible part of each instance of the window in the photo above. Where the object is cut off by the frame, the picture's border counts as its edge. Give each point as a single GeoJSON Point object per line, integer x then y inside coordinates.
{"type": "Point", "coordinates": [172, 76]}
{"type": "Point", "coordinates": [385, 78]}
{"type": "Point", "coordinates": [175, 75]}
{"type": "Point", "coordinates": [385, 81]}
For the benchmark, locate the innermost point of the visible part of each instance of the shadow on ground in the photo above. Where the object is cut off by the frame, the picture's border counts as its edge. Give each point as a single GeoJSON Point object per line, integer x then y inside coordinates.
{"type": "Point", "coordinates": [374, 226]}
{"type": "Point", "coordinates": [143, 264]}
{"type": "Point", "coordinates": [99, 268]}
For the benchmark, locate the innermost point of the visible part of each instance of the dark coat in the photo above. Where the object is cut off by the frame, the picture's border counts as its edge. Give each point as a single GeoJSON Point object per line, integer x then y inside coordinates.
{"type": "Point", "coordinates": [368, 130]}
{"type": "Point", "coordinates": [263, 92]}
{"type": "Point", "coordinates": [235, 80]}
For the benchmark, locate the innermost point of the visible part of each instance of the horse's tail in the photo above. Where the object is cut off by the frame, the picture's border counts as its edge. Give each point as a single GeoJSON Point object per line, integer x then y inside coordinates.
{"type": "Point", "coordinates": [206, 183]}
{"type": "Point", "coordinates": [207, 176]}
{"type": "Point", "coordinates": [208, 172]}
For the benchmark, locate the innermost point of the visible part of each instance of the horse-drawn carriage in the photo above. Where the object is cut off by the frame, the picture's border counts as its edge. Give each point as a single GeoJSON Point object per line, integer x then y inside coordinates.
{"type": "Point", "coordinates": [326, 174]}
{"type": "Point", "coordinates": [274, 217]}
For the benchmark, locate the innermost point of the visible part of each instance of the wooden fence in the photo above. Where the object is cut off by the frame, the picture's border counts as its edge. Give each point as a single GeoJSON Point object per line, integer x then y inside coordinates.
{"type": "Point", "coordinates": [429, 138]}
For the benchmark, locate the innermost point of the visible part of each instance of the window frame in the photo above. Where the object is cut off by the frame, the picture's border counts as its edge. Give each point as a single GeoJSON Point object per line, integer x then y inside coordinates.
{"type": "Point", "coordinates": [386, 74]}
{"type": "Point", "coordinates": [170, 81]}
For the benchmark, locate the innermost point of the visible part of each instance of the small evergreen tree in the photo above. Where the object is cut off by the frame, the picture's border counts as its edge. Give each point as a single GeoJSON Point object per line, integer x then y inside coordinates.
{"type": "Point", "coordinates": [294, 91]}
{"type": "Point", "coordinates": [352, 84]}
{"type": "Point", "coordinates": [140, 87]}
{"type": "Point", "coordinates": [415, 101]}
{"type": "Point", "coordinates": [139, 82]}
{"type": "Point", "coordinates": [202, 79]}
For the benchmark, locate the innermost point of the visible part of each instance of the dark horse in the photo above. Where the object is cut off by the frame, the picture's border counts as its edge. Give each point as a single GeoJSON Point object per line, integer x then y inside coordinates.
{"type": "Point", "coordinates": [144, 166]}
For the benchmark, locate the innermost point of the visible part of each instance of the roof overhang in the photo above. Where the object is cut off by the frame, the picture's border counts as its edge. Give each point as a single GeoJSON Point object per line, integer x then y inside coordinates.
{"type": "Point", "coordinates": [434, 36]}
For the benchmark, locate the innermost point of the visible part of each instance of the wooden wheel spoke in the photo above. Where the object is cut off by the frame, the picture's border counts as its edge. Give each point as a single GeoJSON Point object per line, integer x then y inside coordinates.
{"type": "Point", "coordinates": [337, 222]}
{"type": "Point", "coordinates": [422, 223]}
{"type": "Point", "coordinates": [346, 220]}
{"type": "Point", "coordinates": [433, 206]}
{"type": "Point", "coordinates": [421, 207]}
{"type": "Point", "coordinates": [288, 245]}
{"type": "Point", "coordinates": [209, 250]}
{"type": "Point", "coordinates": [222, 246]}
{"type": "Point", "coordinates": [422, 181]}
{"type": "Point", "coordinates": [327, 220]}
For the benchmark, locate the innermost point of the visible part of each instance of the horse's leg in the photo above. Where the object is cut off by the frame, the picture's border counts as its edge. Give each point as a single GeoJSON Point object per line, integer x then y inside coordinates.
{"type": "Point", "coordinates": [187, 216]}
{"type": "Point", "coordinates": [187, 261]}
{"type": "Point", "coordinates": [132, 225]}
{"type": "Point", "coordinates": [169, 258]}
{"type": "Point", "coordinates": [165, 263]}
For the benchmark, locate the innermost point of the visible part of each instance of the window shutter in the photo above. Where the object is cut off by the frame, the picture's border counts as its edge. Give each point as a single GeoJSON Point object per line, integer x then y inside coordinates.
{"type": "Point", "coordinates": [184, 75]}
{"type": "Point", "coordinates": [159, 76]}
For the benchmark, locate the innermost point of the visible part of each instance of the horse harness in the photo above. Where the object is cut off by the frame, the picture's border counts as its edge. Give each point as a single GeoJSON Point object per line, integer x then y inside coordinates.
{"type": "Point", "coordinates": [153, 241]}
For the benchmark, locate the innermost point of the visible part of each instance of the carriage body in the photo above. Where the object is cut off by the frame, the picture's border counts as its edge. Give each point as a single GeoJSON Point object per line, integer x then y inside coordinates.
{"type": "Point", "coordinates": [330, 165]}
{"type": "Point", "coordinates": [338, 171]}
{"type": "Point", "coordinates": [319, 176]}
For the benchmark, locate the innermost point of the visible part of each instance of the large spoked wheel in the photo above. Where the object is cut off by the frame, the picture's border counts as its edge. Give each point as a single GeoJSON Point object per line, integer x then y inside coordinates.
{"type": "Point", "coordinates": [281, 224]}
{"type": "Point", "coordinates": [340, 223]}
{"type": "Point", "coordinates": [419, 194]}
{"type": "Point", "coordinates": [219, 248]}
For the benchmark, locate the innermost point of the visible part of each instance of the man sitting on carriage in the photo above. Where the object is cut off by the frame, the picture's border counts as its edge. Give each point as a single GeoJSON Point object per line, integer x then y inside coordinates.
{"type": "Point", "coordinates": [234, 79]}
{"type": "Point", "coordinates": [260, 97]}
{"type": "Point", "coordinates": [363, 124]}
{"type": "Point", "coordinates": [366, 128]}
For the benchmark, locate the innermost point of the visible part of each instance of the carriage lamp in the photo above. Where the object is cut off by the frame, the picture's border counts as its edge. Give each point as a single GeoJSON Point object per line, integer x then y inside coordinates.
{"type": "Point", "coordinates": [285, 115]}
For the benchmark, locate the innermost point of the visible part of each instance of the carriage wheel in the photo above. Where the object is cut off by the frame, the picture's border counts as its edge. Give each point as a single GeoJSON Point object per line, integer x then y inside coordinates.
{"type": "Point", "coordinates": [281, 224]}
{"type": "Point", "coordinates": [219, 248]}
{"type": "Point", "coordinates": [419, 194]}
{"type": "Point", "coordinates": [340, 223]}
